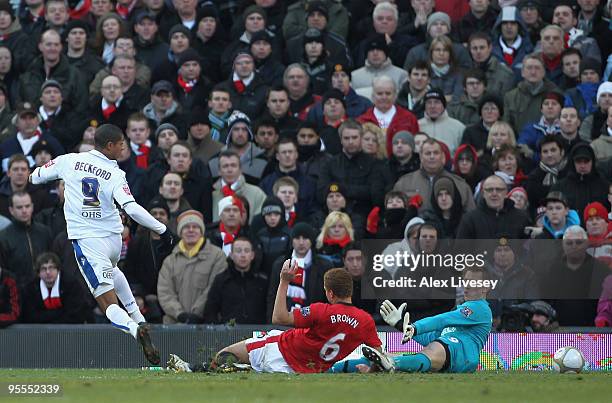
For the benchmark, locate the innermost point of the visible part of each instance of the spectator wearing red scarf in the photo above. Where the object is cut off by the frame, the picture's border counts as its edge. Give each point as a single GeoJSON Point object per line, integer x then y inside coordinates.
{"type": "Point", "coordinates": [231, 209]}
{"type": "Point", "coordinates": [53, 296]}
{"type": "Point", "coordinates": [337, 232]}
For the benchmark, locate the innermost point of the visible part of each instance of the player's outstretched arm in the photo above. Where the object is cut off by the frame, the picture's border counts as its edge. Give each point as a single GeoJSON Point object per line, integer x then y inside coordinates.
{"type": "Point", "coordinates": [142, 217]}
{"type": "Point", "coordinates": [46, 173]}
{"type": "Point", "coordinates": [280, 314]}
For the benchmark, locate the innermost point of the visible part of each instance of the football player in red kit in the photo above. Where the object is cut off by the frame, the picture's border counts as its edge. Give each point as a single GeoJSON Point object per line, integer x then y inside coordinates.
{"type": "Point", "coordinates": [322, 333]}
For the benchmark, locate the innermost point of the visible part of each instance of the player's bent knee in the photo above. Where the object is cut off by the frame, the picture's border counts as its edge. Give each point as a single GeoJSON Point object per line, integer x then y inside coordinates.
{"type": "Point", "coordinates": [236, 353]}
{"type": "Point", "coordinates": [436, 354]}
{"type": "Point", "coordinates": [105, 296]}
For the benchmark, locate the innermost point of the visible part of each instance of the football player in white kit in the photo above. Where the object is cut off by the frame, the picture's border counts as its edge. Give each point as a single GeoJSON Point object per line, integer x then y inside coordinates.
{"type": "Point", "coordinates": [93, 183]}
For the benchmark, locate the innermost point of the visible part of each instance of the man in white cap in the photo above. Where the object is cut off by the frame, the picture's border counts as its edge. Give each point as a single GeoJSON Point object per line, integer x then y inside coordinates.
{"type": "Point", "coordinates": [592, 125]}
{"type": "Point", "coordinates": [229, 228]}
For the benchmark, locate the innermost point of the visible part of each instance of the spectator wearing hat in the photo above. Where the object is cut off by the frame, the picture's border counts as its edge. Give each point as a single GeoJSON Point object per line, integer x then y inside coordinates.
{"type": "Point", "coordinates": [28, 132]}
{"type": "Point", "coordinates": [311, 154]}
{"type": "Point", "coordinates": [298, 14]}
{"type": "Point", "coordinates": [53, 60]}
{"type": "Point", "coordinates": [436, 122]}
{"type": "Point", "coordinates": [192, 86]}
{"type": "Point", "coordinates": [335, 200]}
{"type": "Point", "coordinates": [495, 214]}
{"type": "Point", "coordinates": [511, 40]}
{"type": "Point", "coordinates": [377, 64]}
{"type": "Point", "coordinates": [386, 22]}
{"type": "Point", "coordinates": [76, 35]}
{"type": "Point", "coordinates": [179, 39]}
{"type": "Point", "coordinates": [185, 14]}
{"type": "Point", "coordinates": [558, 217]}
{"type": "Point", "coordinates": [247, 89]}
{"type": "Point", "coordinates": [266, 66]}
{"type": "Point", "coordinates": [584, 95]}
{"type": "Point", "coordinates": [599, 231]}
{"type": "Point", "coordinates": [438, 24]}
{"type": "Point", "coordinates": [466, 165]}
{"type": "Point", "coordinates": [232, 182]}
{"type": "Point", "coordinates": [150, 47]}
{"type": "Point", "coordinates": [354, 169]}
{"type": "Point", "coordinates": [188, 272]}
{"type": "Point", "coordinates": [517, 281]}
{"type": "Point", "coordinates": [446, 208]}
{"type": "Point", "coordinates": [355, 104]}
{"type": "Point", "coordinates": [531, 13]}
{"type": "Point", "coordinates": [499, 77]}
{"type": "Point", "coordinates": [547, 125]}
{"type": "Point", "coordinates": [603, 144]}
{"type": "Point", "coordinates": [109, 106]}
{"type": "Point", "coordinates": [334, 44]}
{"type": "Point", "coordinates": [583, 183]}
{"type": "Point", "coordinates": [228, 227]}
{"type": "Point", "coordinates": [523, 104]}
{"type": "Point", "coordinates": [334, 114]}
{"type": "Point", "coordinates": [407, 246]}
{"type": "Point", "coordinates": [490, 110]}
{"type": "Point", "coordinates": [163, 108]}
{"type": "Point", "coordinates": [57, 121]}
{"type": "Point", "coordinates": [297, 83]}
{"type": "Point", "coordinates": [199, 136]}
{"type": "Point", "coordinates": [240, 140]}
{"type": "Point", "coordinates": [253, 20]}
{"type": "Point", "coordinates": [315, 60]}
{"type": "Point", "coordinates": [403, 159]}
{"type": "Point", "coordinates": [553, 167]}
{"type": "Point", "coordinates": [465, 109]}
{"type": "Point", "coordinates": [385, 114]}
{"type": "Point", "coordinates": [15, 39]}
{"type": "Point", "coordinates": [239, 293]}
{"type": "Point", "coordinates": [270, 233]}
{"type": "Point", "coordinates": [306, 288]}
{"type": "Point", "coordinates": [414, 88]}
{"type": "Point", "coordinates": [481, 18]}
{"type": "Point", "coordinates": [53, 296]}
{"type": "Point", "coordinates": [543, 317]}
{"type": "Point", "coordinates": [163, 138]}
{"type": "Point", "coordinates": [594, 124]}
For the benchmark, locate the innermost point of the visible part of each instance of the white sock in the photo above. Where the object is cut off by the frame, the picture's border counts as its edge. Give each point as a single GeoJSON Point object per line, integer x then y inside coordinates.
{"type": "Point", "coordinates": [121, 320]}
{"type": "Point", "coordinates": [124, 293]}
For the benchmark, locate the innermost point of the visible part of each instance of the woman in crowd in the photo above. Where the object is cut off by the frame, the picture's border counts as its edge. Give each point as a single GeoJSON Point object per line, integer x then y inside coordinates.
{"type": "Point", "coordinates": [446, 73]}
{"type": "Point", "coordinates": [337, 232]}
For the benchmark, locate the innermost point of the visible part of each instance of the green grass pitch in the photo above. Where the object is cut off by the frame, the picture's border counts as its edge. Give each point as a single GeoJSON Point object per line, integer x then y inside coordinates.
{"type": "Point", "coordinates": [118, 386]}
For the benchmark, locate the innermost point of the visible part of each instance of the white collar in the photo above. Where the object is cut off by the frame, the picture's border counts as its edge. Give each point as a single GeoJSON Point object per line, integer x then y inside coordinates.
{"type": "Point", "coordinates": [44, 291]}
{"type": "Point", "coordinates": [245, 81]}
{"type": "Point", "coordinates": [305, 261]}
{"type": "Point", "coordinates": [385, 118]}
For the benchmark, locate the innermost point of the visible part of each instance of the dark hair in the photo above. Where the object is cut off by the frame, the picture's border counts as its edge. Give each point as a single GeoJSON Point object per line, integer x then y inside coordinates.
{"type": "Point", "coordinates": [571, 51]}
{"type": "Point", "coordinates": [244, 239]}
{"type": "Point", "coordinates": [107, 133]}
{"type": "Point", "coordinates": [475, 73]}
{"type": "Point", "coordinates": [276, 88]}
{"type": "Point", "coordinates": [308, 125]}
{"type": "Point", "coordinates": [265, 122]}
{"type": "Point", "coordinates": [551, 139]}
{"type": "Point", "coordinates": [504, 150]}
{"type": "Point", "coordinates": [286, 140]}
{"type": "Point", "coordinates": [480, 35]}
{"type": "Point", "coordinates": [47, 257]}
{"type": "Point", "coordinates": [19, 193]}
{"type": "Point", "coordinates": [354, 245]}
{"type": "Point", "coordinates": [219, 88]}
{"type": "Point", "coordinates": [396, 194]}
{"type": "Point", "coordinates": [339, 281]}
{"type": "Point", "coordinates": [420, 65]}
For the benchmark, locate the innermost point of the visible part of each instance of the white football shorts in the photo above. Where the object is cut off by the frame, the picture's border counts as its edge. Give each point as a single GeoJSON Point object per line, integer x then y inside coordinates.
{"type": "Point", "coordinates": [96, 258]}
{"type": "Point", "coordinates": [264, 354]}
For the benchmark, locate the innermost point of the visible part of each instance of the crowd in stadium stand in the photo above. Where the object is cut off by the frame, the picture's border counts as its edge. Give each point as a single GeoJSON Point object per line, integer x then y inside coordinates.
{"type": "Point", "coordinates": [259, 130]}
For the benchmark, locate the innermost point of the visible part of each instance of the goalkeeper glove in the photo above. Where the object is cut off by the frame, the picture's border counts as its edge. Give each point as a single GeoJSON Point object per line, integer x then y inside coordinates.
{"type": "Point", "coordinates": [391, 314]}
{"type": "Point", "coordinates": [408, 329]}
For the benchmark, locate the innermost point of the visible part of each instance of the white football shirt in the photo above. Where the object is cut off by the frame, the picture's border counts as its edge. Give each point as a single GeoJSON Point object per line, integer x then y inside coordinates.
{"type": "Point", "coordinates": [92, 184]}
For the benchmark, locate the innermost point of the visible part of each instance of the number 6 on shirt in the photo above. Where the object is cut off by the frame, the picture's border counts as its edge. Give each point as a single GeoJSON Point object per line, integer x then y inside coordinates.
{"type": "Point", "coordinates": [330, 349]}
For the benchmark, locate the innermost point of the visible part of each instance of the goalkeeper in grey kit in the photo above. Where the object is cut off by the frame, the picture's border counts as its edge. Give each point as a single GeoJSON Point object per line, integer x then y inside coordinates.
{"type": "Point", "coordinates": [452, 341]}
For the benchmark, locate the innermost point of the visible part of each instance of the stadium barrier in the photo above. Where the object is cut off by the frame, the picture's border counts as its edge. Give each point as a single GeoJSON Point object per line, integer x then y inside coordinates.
{"type": "Point", "coordinates": [102, 346]}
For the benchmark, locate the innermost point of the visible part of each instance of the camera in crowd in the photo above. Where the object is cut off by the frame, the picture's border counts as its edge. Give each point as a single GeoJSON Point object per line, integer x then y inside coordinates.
{"type": "Point", "coordinates": [532, 317]}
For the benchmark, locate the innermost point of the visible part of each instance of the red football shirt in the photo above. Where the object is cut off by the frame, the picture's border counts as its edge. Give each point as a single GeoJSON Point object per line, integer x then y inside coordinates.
{"type": "Point", "coordinates": [324, 334]}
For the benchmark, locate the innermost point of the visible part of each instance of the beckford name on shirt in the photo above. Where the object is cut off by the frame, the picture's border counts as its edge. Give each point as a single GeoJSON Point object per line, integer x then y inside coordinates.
{"type": "Point", "coordinates": [85, 167]}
